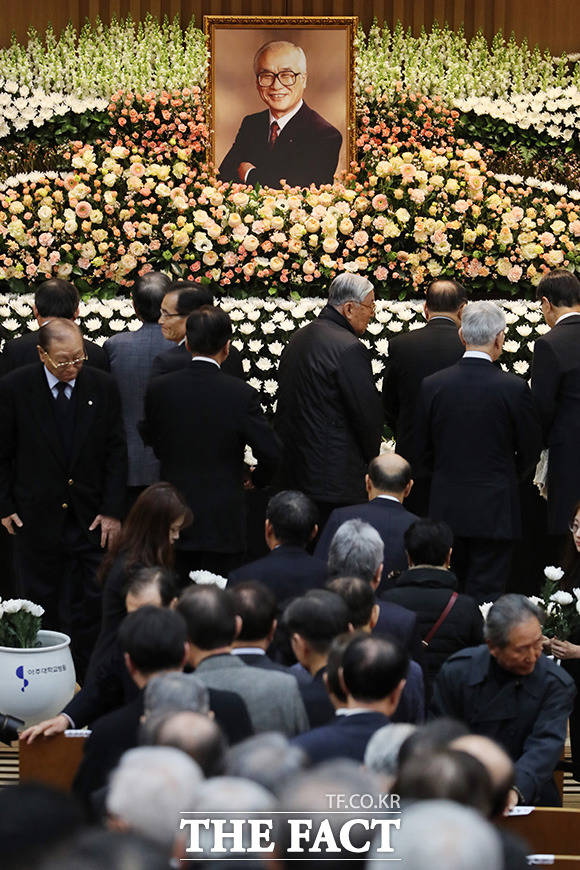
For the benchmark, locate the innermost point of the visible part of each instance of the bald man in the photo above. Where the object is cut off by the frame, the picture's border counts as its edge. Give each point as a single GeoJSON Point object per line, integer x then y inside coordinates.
{"type": "Point", "coordinates": [388, 482]}
{"type": "Point", "coordinates": [497, 763]}
{"type": "Point", "coordinates": [289, 140]}
{"type": "Point", "coordinates": [63, 472]}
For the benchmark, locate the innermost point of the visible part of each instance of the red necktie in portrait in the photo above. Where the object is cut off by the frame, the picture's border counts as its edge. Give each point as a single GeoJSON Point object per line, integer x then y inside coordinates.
{"type": "Point", "coordinates": [274, 129]}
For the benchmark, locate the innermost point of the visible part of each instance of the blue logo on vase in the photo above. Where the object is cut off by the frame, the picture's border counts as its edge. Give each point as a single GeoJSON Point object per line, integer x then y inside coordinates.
{"type": "Point", "coordinates": [20, 675]}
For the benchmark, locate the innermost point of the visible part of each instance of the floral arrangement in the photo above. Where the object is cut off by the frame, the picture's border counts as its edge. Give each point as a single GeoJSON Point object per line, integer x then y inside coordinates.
{"type": "Point", "coordinates": [20, 621]}
{"type": "Point", "coordinates": [562, 608]}
{"type": "Point", "coordinates": [21, 107]}
{"type": "Point", "coordinates": [262, 327]}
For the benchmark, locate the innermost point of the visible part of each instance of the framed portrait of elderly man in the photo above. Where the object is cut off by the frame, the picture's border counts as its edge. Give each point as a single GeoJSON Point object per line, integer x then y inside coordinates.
{"type": "Point", "coordinates": [282, 98]}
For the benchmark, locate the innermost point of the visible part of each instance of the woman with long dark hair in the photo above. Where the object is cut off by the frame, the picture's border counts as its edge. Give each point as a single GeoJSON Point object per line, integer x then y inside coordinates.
{"type": "Point", "coordinates": [146, 540]}
{"type": "Point", "coordinates": [569, 650]}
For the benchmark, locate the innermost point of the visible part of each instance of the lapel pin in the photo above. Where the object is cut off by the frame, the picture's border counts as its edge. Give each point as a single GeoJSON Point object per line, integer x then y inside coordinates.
{"type": "Point", "coordinates": [90, 402]}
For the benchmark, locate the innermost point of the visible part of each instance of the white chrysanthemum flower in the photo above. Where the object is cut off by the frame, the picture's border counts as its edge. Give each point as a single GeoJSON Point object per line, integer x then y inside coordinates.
{"type": "Point", "coordinates": [485, 608]}
{"type": "Point", "coordinates": [561, 598]}
{"type": "Point", "coordinates": [553, 573]}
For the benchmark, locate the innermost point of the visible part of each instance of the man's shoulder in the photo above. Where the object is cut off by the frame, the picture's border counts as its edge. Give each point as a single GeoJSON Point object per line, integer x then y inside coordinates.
{"type": "Point", "coordinates": [256, 119]}
{"type": "Point", "coordinates": [314, 120]}
{"type": "Point", "coordinates": [552, 672]}
{"type": "Point", "coordinates": [476, 656]}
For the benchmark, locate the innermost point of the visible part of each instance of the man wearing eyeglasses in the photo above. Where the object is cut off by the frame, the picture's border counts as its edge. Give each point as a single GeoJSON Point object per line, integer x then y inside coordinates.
{"type": "Point", "coordinates": [289, 141]}
{"type": "Point", "coordinates": [63, 472]}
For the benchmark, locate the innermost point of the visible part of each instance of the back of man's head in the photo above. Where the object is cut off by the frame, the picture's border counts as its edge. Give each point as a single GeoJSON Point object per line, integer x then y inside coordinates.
{"type": "Point", "coordinates": [358, 596]}
{"type": "Point", "coordinates": [56, 298]}
{"type": "Point", "coordinates": [389, 473]}
{"type": "Point", "coordinates": [373, 667]}
{"type": "Point", "coordinates": [154, 638]}
{"type": "Point", "coordinates": [318, 617]}
{"type": "Point", "coordinates": [442, 835]}
{"type": "Point", "coordinates": [481, 323]}
{"type": "Point", "coordinates": [256, 605]}
{"type": "Point", "coordinates": [210, 616]}
{"type": "Point", "coordinates": [382, 752]}
{"type": "Point", "coordinates": [356, 550]}
{"type": "Point", "coordinates": [428, 542]}
{"type": "Point", "coordinates": [208, 330]}
{"type": "Point", "coordinates": [174, 692]}
{"type": "Point", "coordinates": [347, 287]}
{"type": "Point", "coordinates": [292, 516]}
{"type": "Point", "coordinates": [332, 676]}
{"type": "Point", "coordinates": [196, 735]}
{"type": "Point", "coordinates": [150, 788]}
{"type": "Point", "coordinates": [189, 296]}
{"type": "Point", "coordinates": [561, 288]}
{"type": "Point", "coordinates": [430, 737]}
{"type": "Point", "coordinates": [496, 761]}
{"type": "Point", "coordinates": [267, 759]}
{"type": "Point", "coordinates": [448, 774]}
{"type": "Point", "coordinates": [147, 295]}
{"type": "Point", "coordinates": [59, 331]}
{"type": "Point", "coordinates": [445, 296]}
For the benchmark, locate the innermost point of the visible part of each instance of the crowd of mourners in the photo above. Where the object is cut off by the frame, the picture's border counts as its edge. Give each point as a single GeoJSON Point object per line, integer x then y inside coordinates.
{"type": "Point", "coordinates": [266, 614]}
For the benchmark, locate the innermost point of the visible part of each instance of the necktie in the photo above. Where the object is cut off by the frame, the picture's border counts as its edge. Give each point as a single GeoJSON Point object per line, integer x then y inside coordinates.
{"type": "Point", "coordinates": [274, 129]}
{"type": "Point", "coordinates": [62, 403]}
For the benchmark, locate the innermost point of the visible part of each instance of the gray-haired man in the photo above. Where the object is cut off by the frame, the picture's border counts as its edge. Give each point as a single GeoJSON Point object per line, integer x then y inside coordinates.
{"type": "Point", "coordinates": [510, 692]}
{"type": "Point", "coordinates": [478, 434]}
{"type": "Point", "coordinates": [329, 414]}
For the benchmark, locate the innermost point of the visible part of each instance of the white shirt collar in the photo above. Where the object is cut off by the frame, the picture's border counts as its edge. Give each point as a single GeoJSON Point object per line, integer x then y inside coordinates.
{"type": "Point", "coordinates": [53, 381]}
{"type": "Point", "coordinates": [285, 118]}
{"type": "Point", "coordinates": [248, 650]}
{"type": "Point", "coordinates": [205, 359]}
{"type": "Point", "coordinates": [179, 343]}
{"type": "Point", "coordinates": [477, 354]}
{"type": "Point", "coordinates": [564, 316]}
{"type": "Point", "coordinates": [351, 711]}
{"type": "Point", "coordinates": [389, 497]}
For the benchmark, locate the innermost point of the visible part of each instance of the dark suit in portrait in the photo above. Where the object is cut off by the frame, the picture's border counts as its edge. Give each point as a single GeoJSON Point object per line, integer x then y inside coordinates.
{"type": "Point", "coordinates": [58, 473]}
{"type": "Point", "coordinates": [198, 420]}
{"type": "Point", "coordinates": [414, 356]}
{"type": "Point", "coordinates": [479, 433]}
{"type": "Point", "coordinates": [171, 359]}
{"type": "Point", "coordinates": [343, 737]}
{"type": "Point", "coordinates": [22, 352]}
{"type": "Point", "coordinates": [388, 516]}
{"type": "Point", "coordinates": [288, 571]}
{"type": "Point", "coordinates": [305, 152]}
{"type": "Point", "coordinates": [556, 389]}
{"type": "Point", "coordinates": [131, 356]}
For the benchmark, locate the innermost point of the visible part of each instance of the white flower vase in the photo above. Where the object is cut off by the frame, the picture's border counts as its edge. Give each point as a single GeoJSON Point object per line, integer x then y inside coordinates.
{"type": "Point", "coordinates": [36, 683]}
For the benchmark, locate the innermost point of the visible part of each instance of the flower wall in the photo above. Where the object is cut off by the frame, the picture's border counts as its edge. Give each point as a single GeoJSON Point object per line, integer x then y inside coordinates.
{"type": "Point", "coordinates": [262, 327]}
{"type": "Point", "coordinates": [115, 119]}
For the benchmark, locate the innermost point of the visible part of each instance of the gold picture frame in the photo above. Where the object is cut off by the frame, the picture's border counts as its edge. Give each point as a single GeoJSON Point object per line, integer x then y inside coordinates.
{"type": "Point", "coordinates": [233, 96]}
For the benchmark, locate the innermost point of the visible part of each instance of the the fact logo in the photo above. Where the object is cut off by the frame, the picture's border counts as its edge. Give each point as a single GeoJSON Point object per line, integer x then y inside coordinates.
{"type": "Point", "coordinates": [353, 831]}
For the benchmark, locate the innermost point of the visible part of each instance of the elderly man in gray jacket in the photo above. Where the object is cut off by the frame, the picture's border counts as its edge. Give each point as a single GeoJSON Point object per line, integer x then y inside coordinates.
{"type": "Point", "coordinates": [272, 697]}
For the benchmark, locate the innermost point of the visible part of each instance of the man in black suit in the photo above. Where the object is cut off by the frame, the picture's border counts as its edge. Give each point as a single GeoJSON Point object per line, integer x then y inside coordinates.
{"type": "Point", "coordinates": [63, 471]}
{"type": "Point", "coordinates": [53, 298]}
{"type": "Point", "coordinates": [153, 641]}
{"type": "Point", "coordinates": [288, 570]}
{"type": "Point", "coordinates": [181, 298]}
{"type": "Point", "coordinates": [374, 670]}
{"type": "Point", "coordinates": [388, 483]}
{"type": "Point", "coordinates": [257, 607]}
{"type": "Point", "coordinates": [329, 414]}
{"type": "Point", "coordinates": [412, 357]}
{"type": "Point", "coordinates": [289, 141]}
{"type": "Point", "coordinates": [198, 420]}
{"type": "Point", "coordinates": [556, 389]}
{"type": "Point", "coordinates": [479, 433]}
{"type": "Point", "coordinates": [357, 550]}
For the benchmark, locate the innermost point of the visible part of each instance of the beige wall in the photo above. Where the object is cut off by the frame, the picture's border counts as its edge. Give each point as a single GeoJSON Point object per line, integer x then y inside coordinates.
{"type": "Point", "coordinates": [553, 24]}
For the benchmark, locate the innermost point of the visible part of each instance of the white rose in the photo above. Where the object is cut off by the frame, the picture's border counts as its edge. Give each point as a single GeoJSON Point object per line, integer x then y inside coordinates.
{"type": "Point", "coordinates": [553, 573]}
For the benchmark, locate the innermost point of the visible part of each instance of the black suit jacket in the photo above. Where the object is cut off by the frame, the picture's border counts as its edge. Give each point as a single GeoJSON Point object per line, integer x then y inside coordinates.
{"type": "Point", "coordinates": [306, 151]}
{"type": "Point", "coordinates": [198, 421]}
{"type": "Point", "coordinates": [556, 389]}
{"type": "Point", "coordinates": [178, 357]}
{"type": "Point", "coordinates": [23, 351]}
{"type": "Point", "coordinates": [478, 431]}
{"type": "Point", "coordinates": [37, 480]}
{"type": "Point", "coordinates": [388, 517]}
{"type": "Point", "coordinates": [343, 737]}
{"type": "Point", "coordinates": [412, 357]}
{"type": "Point", "coordinates": [287, 571]}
